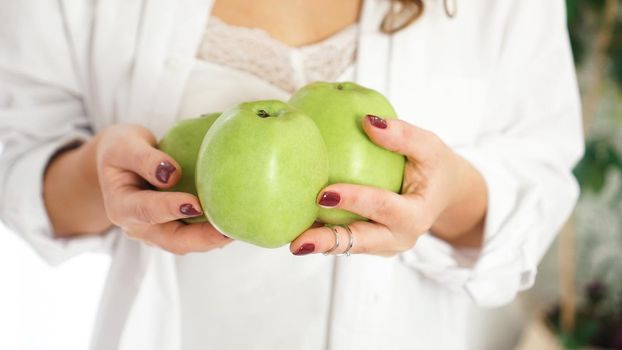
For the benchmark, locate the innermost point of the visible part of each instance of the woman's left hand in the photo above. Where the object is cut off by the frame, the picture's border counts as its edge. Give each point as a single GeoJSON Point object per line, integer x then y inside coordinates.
{"type": "Point", "coordinates": [441, 193]}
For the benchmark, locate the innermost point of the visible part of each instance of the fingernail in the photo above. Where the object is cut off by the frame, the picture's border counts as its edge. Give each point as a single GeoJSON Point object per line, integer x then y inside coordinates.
{"type": "Point", "coordinates": [188, 210]}
{"type": "Point", "coordinates": [164, 171]}
{"type": "Point", "coordinates": [305, 249]}
{"type": "Point", "coordinates": [377, 121]}
{"type": "Point", "coordinates": [329, 199]}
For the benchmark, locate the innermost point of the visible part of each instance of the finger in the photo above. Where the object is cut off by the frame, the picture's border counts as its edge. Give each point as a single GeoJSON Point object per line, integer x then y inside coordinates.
{"type": "Point", "coordinates": [367, 238]}
{"type": "Point", "coordinates": [182, 239]}
{"type": "Point", "coordinates": [376, 204]}
{"type": "Point", "coordinates": [138, 155]}
{"type": "Point", "coordinates": [131, 207]}
{"type": "Point", "coordinates": [401, 137]}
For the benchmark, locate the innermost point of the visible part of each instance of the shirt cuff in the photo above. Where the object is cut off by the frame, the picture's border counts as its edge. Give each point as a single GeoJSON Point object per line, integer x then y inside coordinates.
{"type": "Point", "coordinates": [24, 209]}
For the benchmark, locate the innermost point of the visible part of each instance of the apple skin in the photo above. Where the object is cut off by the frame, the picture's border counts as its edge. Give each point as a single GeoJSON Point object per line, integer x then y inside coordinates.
{"type": "Point", "coordinates": [182, 142]}
{"type": "Point", "coordinates": [259, 171]}
{"type": "Point", "coordinates": [338, 110]}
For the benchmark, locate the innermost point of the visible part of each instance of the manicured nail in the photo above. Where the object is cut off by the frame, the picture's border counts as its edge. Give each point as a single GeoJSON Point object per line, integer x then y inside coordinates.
{"type": "Point", "coordinates": [330, 199]}
{"type": "Point", "coordinates": [164, 171]}
{"type": "Point", "coordinates": [377, 121]}
{"type": "Point", "coordinates": [188, 210]}
{"type": "Point", "coordinates": [305, 249]}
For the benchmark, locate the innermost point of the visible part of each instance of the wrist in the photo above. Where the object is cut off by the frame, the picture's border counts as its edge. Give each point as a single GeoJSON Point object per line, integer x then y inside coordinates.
{"type": "Point", "coordinates": [71, 192]}
{"type": "Point", "coordinates": [461, 222]}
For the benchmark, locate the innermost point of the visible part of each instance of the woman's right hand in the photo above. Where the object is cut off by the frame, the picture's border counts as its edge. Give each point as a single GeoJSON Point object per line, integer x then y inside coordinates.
{"type": "Point", "coordinates": [125, 166]}
{"type": "Point", "coordinates": [127, 162]}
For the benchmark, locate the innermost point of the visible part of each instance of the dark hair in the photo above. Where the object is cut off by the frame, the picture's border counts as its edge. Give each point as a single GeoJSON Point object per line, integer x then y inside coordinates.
{"type": "Point", "coordinates": [402, 13]}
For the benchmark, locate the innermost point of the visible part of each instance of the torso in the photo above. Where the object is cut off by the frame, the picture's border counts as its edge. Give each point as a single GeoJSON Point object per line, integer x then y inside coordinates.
{"type": "Point", "coordinates": [271, 294]}
{"type": "Point", "coordinates": [431, 77]}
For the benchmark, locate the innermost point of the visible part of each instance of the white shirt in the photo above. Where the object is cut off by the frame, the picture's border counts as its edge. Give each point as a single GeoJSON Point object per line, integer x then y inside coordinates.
{"type": "Point", "coordinates": [269, 293]}
{"type": "Point", "coordinates": [496, 83]}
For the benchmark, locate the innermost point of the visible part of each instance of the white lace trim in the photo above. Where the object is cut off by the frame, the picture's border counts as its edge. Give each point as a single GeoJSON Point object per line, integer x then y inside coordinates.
{"type": "Point", "coordinates": [254, 51]}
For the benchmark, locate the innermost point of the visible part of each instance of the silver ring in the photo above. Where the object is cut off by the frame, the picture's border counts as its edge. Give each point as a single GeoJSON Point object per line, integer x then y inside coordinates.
{"type": "Point", "coordinates": [332, 228]}
{"type": "Point", "coordinates": [350, 240]}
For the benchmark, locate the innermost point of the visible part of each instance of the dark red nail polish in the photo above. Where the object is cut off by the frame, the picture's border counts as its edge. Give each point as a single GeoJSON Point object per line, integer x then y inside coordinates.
{"type": "Point", "coordinates": [330, 199]}
{"type": "Point", "coordinates": [305, 249]}
{"type": "Point", "coordinates": [377, 121]}
{"type": "Point", "coordinates": [164, 171]}
{"type": "Point", "coordinates": [188, 210]}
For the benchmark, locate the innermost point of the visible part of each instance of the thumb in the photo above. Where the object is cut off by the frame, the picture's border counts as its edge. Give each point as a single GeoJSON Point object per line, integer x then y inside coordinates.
{"type": "Point", "coordinates": [401, 137]}
{"type": "Point", "coordinates": [135, 151]}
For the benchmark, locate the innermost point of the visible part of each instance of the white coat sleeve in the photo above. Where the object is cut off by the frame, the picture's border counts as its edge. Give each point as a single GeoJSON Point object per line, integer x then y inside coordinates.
{"type": "Point", "coordinates": [41, 111]}
{"type": "Point", "coordinates": [532, 139]}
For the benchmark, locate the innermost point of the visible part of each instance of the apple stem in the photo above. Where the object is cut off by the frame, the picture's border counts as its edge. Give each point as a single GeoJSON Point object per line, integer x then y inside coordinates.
{"type": "Point", "coordinates": [262, 114]}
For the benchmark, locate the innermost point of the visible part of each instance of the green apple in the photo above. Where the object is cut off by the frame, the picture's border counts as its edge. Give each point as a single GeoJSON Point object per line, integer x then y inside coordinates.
{"type": "Point", "coordinates": [338, 110]}
{"type": "Point", "coordinates": [259, 171]}
{"type": "Point", "coordinates": [182, 142]}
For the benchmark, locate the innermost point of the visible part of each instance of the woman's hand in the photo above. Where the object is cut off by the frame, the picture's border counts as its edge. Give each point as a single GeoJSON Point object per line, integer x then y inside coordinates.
{"type": "Point", "coordinates": [125, 162]}
{"type": "Point", "coordinates": [441, 193]}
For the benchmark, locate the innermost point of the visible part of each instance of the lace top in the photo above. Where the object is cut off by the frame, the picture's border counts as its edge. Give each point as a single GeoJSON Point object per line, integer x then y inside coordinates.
{"type": "Point", "coordinates": [281, 65]}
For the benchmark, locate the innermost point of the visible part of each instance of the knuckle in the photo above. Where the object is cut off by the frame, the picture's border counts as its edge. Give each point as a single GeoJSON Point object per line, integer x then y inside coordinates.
{"type": "Point", "coordinates": [383, 209]}
{"type": "Point", "coordinates": [428, 136]}
{"type": "Point", "coordinates": [106, 156]}
{"type": "Point", "coordinates": [421, 222]}
{"type": "Point", "coordinates": [413, 226]}
{"type": "Point", "coordinates": [142, 162]}
{"type": "Point", "coordinates": [406, 135]}
{"type": "Point", "coordinates": [363, 249]}
{"type": "Point", "coordinates": [177, 247]}
{"type": "Point", "coordinates": [143, 214]}
{"type": "Point", "coordinates": [175, 250]}
{"type": "Point", "coordinates": [407, 132]}
{"type": "Point", "coordinates": [436, 144]}
{"type": "Point", "coordinates": [137, 233]}
{"type": "Point", "coordinates": [417, 227]}
{"type": "Point", "coordinates": [426, 222]}
{"type": "Point", "coordinates": [353, 199]}
{"type": "Point", "coordinates": [173, 210]}
{"type": "Point", "coordinates": [142, 132]}
{"type": "Point", "coordinates": [111, 140]}
{"type": "Point", "coordinates": [180, 246]}
{"type": "Point", "coordinates": [114, 215]}
{"type": "Point", "coordinates": [114, 219]}
{"type": "Point", "coordinates": [205, 241]}
{"type": "Point", "coordinates": [405, 245]}
{"type": "Point", "coordinates": [180, 251]}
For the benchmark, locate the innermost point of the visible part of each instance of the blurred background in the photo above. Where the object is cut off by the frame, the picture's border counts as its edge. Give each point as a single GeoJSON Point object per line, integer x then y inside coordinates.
{"type": "Point", "coordinates": [577, 300]}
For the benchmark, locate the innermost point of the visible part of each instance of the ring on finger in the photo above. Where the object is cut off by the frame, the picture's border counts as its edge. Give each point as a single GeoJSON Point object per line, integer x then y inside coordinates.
{"type": "Point", "coordinates": [350, 241]}
{"type": "Point", "coordinates": [332, 228]}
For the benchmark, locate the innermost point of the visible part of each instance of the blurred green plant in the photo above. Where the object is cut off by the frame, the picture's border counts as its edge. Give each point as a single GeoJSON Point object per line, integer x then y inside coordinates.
{"type": "Point", "coordinates": [596, 323]}
{"type": "Point", "coordinates": [586, 17]}
{"type": "Point", "coordinates": [600, 157]}
{"type": "Point", "coordinates": [595, 28]}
